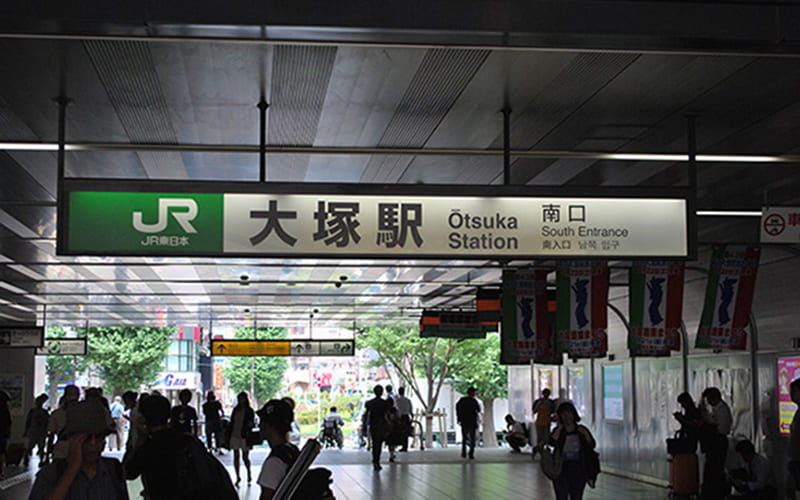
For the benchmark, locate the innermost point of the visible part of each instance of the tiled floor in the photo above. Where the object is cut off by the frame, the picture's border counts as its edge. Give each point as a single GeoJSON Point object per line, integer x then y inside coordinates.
{"type": "Point", "coordinates": [432, 474]}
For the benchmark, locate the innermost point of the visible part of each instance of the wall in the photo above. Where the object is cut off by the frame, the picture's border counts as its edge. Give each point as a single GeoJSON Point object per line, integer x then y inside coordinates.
{"type": "Point", "coordinates": [636, 446]}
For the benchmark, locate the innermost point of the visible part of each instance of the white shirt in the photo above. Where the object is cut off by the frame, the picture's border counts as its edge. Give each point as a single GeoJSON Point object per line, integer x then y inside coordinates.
{"type": "Point", "coordinates": [721, 416]}
{"type": "Point", "coordinates": [272, 473]}
{"type": "Point", "coordinates": [335, 417]}
{"type": "Point", "coordinates": [403, 405]}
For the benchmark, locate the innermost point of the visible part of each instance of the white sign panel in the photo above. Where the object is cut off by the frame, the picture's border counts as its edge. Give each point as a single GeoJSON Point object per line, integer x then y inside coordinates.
{"type": "Point", "coordinates": [780, 225]}
{"type": "Point", "coordinates": [454, 226]}
{"type": "Point", "coordinates": [22, 336]}
{"type": "Point", "coordinates": [178, 380]}
{"type": "Point", "coordinates": [62, 347]}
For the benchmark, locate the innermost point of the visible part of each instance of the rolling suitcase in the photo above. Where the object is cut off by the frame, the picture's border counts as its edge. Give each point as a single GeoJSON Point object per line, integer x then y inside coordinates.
{"type": "Point", "coordinates": [685, 474]}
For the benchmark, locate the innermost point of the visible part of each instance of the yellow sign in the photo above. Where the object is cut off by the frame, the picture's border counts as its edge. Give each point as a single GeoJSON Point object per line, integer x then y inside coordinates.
{"type": "Point", "coordinates": [250, 348]}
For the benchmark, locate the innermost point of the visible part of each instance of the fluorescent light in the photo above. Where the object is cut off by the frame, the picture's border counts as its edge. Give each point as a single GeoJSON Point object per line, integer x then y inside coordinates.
{"type": "Point", "coordinates": [29, 146]}
{"type": "Point", "coordinates": [728, 213]}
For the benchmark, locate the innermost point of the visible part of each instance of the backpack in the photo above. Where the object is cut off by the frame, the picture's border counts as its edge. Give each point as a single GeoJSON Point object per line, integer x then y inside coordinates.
{"type": "Point", "coordinates": [200, 475]}
{"type": "Point", "coordinates": [316, 482]}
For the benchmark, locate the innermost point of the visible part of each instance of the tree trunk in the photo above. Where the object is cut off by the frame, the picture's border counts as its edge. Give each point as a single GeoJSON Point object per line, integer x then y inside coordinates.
{"type": "Point", "coordinates": [489, 436]}
{"type": "Point", "coordinates": [428, 430]}
{"type": "Point", "coordinates": [52, 390]}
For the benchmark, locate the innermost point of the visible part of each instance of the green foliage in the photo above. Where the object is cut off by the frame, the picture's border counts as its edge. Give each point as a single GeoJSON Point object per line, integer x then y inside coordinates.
{"type": "Point", "coordinates": [401, 347]}
{"type": "Point", "coordinates": [476, 364]}
{"type": "Point", "coordinates": [268, 370]}
{"type": "Point", "coordinates": [127, 357]}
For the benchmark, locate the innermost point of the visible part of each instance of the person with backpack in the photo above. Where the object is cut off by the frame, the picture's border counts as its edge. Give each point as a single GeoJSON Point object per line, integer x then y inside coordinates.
{"type": "Point", "coordinates": [516, 435]}
{"type": "Point", "coordinates": [175, 465]}
{"type": "Point", "coordinates": [83, 474]}
{"type": "Point", "coordinates": [275, 420]}
{"type": "Point", "coordinates": [183, 416]}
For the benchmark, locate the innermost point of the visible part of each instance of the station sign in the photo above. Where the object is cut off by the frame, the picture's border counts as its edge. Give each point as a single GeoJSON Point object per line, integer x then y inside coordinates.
{"type": "Point", "coordinates": [324, 347]}
{"type": "Point", "coordinates": [63, 347]}
{"type": "Point", "coordinates": [451, 325]}
{"type": "Point", "coordinates": [780, 225]}
{"type": "Point", "coordinates": [21, 336]}
{"type": "Point", "coordinates": [301, 220]}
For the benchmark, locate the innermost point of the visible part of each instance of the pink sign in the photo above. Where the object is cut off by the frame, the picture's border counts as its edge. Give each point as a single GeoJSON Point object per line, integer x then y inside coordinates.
{"type": "Point", "coordinates": [788, 370]}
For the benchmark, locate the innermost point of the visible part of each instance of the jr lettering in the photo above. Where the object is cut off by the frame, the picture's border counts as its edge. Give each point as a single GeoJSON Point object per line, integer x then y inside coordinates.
{"type": "Point", "coordinates": [183, 218]}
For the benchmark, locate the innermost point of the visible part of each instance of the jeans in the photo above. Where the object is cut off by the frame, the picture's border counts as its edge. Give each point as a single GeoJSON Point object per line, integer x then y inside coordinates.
{"type": "Point", "coordinates": [571, 482]}
{"type": "Point", "coordinates": [468, 434]}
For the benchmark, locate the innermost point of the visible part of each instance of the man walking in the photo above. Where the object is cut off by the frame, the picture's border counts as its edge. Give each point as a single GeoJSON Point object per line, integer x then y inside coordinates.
{"type": "Point", "coordinates": [468, 412]}
{"type": "Point", "coordinates": [543, 410]}
{"type": "Point", "coordinates": [212, 410]}
{"type": "Point", "coordinates": [717, 423]}
{"type": "Point", "coordinates": [376, 416]}
{"type": "Point", "coordinates": [405, 410]}
{"type": "Point", "coordinates": [119, 423]}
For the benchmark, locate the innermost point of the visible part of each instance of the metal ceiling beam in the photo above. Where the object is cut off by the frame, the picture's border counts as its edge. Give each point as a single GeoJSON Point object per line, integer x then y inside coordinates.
{"type": "Point", "coordinates": [732, 27]}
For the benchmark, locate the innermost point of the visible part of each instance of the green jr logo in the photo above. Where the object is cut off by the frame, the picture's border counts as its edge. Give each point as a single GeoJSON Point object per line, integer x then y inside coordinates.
{"type": "Point", "coordinates": [165, 205]}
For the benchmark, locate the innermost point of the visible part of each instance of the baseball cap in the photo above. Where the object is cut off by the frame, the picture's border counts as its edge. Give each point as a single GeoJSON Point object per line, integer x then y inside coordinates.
{"type": "Point", "coordinates": [277, 413]}
{"type": "Point", "coordinates": [89, 417]}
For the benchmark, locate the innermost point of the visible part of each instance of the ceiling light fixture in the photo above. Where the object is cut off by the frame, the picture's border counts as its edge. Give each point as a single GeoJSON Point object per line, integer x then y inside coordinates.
{"type": "Point", "coordinates": [728, 213]}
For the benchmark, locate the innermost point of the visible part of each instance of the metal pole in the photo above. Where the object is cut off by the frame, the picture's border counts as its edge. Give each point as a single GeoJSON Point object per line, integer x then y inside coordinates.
{"type": "Point", "coordinates": [685, 356]}
{"type": "Point", "coordinates": [262, 108]}
{"type": "Point", "coordinates": [62, 102]}
{"type": "Point", "coordinates": [253, 363]}
{"type": "Point", "coordinates": [691, 133]}
{"type": "Point", "coordinates": [506, 146]}
{"type": "Point", "coordinates": [754, 375]}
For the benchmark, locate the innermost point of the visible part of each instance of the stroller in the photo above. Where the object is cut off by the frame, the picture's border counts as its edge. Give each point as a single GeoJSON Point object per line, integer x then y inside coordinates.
{"type": "Point", "coordinates": [331, 435]}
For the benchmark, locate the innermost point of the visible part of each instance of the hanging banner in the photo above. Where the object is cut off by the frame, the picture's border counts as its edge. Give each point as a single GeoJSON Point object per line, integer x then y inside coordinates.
{"type": "Point", "coordinates": [656, 307]}
{"type": "Point", "coordinates": [524, 301]}
{"type": "Point", "coordinates": [729, 295]}
{"type": "Point", "coordinates": [582, 316]}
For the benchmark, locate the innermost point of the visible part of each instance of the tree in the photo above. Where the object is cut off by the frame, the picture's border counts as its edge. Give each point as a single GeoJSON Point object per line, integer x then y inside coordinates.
{"type": "Point", "coordinates": [128, 357]}
{"type": "Point", "coordinates": [61, 369]}
{"type": "Point", "coordinates": [401, 347]}
{"type": "Point", "coordinates": [477, 364]}
{"type": "Point", "coordinates": [266, 374]}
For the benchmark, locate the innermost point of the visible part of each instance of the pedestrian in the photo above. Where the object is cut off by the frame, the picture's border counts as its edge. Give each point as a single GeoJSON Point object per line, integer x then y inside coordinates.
{"type": "Point", "coordinates": [117, 409]}
{"type": "Point", "coordinates": [212, 411]}
{"type": "Point", "coordinates": [183, 416]}
{"type": "Point", "coordinates": [573, 442]}
{"type": "Point", "coordinates": [5, 429]}
{"type": "Point", "coordinates": [174, 465]}
{"type": "Point", "coordinates": [717, 423]}
{"type": "Point", "coordinates": [755, 481]}
{"type": "Point", "coordinates": [36, 429]}
{"type": "Point", "coordinates": [276, 418]}
{"type": "Point", "coordinates": [83, 474]}
{"type": "Point", "coordinates": [468, 414]}
{"type": "Point", "coordinates": [242, 424]}
{"type": "Point", "coordinates": [794, 440]}
{"type": "Point", "coordinates": [135, 423]}
{"type": "Point", "coordinates": [375, 416]}
{"type": "Point", "coordinates": [405, 410]}
{"type": "Point", "coordinates": [543, 409]}
{"type": "Point", "coordinates": [691, 420]}
{"type": "Point", "coordinates": [390, 394]}
{"type": "Point", "coordinates": [516, 437]}
{"type": "Point", "coordinates": [56, 446]}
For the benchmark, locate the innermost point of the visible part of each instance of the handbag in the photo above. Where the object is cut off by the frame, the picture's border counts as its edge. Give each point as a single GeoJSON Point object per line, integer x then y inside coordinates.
{"type": "Point", "coordinates": [592, 466]}
{"type": "Point", "coordinates": [681, 444]}
{"type": "Point", "coordinates": [552, 461]}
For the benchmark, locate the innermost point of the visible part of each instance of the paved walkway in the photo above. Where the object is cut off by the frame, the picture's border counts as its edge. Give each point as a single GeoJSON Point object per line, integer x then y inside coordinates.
{"type": "Point", "coordinates": [432, 474]}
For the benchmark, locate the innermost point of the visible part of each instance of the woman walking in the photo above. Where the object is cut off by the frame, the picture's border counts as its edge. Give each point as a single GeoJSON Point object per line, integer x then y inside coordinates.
{"type": "Point", "coordinates": [242, 423]}
{"type": "Point", "coordinates": [575, 444]}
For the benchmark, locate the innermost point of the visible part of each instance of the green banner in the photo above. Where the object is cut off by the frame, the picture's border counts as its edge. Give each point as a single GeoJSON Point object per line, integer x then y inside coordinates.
{"type": "Point", "coordinates": [148, 223]}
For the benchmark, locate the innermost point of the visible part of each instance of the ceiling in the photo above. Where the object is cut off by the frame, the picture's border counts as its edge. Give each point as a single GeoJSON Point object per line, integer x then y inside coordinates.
{"type": "Point", "coordinates": [382, 97]}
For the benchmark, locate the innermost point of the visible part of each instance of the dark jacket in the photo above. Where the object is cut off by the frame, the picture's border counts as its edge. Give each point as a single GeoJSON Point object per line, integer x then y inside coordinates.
{"type": "Point", "coordinates": [249, 419]}
{"type": "Point", "coordinates": [585, 448]}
